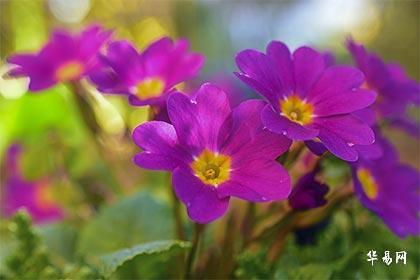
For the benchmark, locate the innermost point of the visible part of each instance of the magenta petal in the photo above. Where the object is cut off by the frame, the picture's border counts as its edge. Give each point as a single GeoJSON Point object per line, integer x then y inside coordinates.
{"type": "Point", "coordinates": [366, 115]}
{"type": "Point", "coordinates": [342, 103]}
{"type": "Point", "coordinates": [257, 181]}
{"type": "Point", "coordinates": [259, 67]}
{"type": "Point", "coordinates": [155, 161]}
{"type": "Point", "coordinates": [159, 138]}
{"type": "Point", "coordinates": [336, 80]}
{"type": "Point", "coordinates": [329, 58]}
{"type": "Point", "coordinates": [373, 151]}
{"type": "Point", "coordinates": [213, 109]}
{"type": "Point", "coordinates": [172, 61]}
{"type": "Point", "coordinates": [156, 49]}
{"type": "Point", "coordinates": [124, 60]}
{"type": "Point", "coordinates": [39, 83]}
{"type": "Point", "coordinates": [308, 66]}
{"type": "Point", "coordinates": [249, 139]}
{"type": "Point", "coordinates": [155, 136]}
{"type": "Point", "coordinates": [349, 128]}
{"type": "Point", "coordinates": [198, 122]}
{"type": "Point", "coordinates": [188, 64]}
{"type": "Point", "coordinates": [39, 72]}
{"type": "Point", "coordinates": [107, 81]}
{"type": "Point", "coordinates": [315, 147]}
{"type": "Point", "coordinates": [183, 115]}
{"type": "Point", "coordinates": [337, 146]}
{"type": "Point", "coordinates": [61, 47]}
{"type": "Point", "coordinates": [22, 59]}
{"type": "Point", "coordinates": [91, 40]}
{"type": "Point", "coordinates": [381, 154]}
{"type": "Point", "coordinates": [258, 87]}
{"type": "Point", "coordinates": [281, 125]}
{"type": "Point", "coordinates": [282, 59]}
{"type": "Point", "coordinates": [201, 200]}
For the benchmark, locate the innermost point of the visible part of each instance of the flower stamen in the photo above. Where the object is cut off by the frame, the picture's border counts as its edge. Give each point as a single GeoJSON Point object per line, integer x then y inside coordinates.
{"type": "Point", "coordinates": [149, 88]}
{"type": "Point", "coordinates": [369, 185]}
{"type": "Point", "coordinates": [297, 110]}
{"type": "Point", "coordinates": [69, 71]}
{"type": "Point", "coordinates": [212, 168]}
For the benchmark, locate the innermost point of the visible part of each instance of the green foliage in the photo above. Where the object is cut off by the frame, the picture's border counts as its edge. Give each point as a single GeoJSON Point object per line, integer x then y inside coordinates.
{"type": "Point", "coordinates": [124, 235]}
{"type": "Point", "coordinates": [336, 171]}
{"type": "Point", "coordinates": [31, 260]}
{"type": "Point", "coordinates": [131, 221]}
{"type": "Point", "coordinates": [53, 251]}
{"type": "Point", "coordinates": [148, 252]}
{"type": "Point", "coordinates": [60, 240]}
{"type": "Point", "coordinates": [340, 252]}
{"type": "Point", "coordinates": [252, 265]}
{"type": "Point", "coordinates": [311, 272]}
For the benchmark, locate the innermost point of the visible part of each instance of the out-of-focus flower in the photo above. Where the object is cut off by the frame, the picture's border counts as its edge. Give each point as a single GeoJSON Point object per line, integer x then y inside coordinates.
{"type": "Point", "coordinates": [373, 151]}
{"type": "Point", "coordinates": [396, 91]}
{"type": "Point", "coordinates": [36, 197]}
{"type": "Point", "coordinates": [307, 99]}
{"type": "Point", "coordinates": [231, 86]}
{"type": "Point", "coordinates": [308, 193]}
{"type": "Point", "coordinates": [214, 152]}
{"type": "Point", "coordinates": [148, 77]}
{"type": "Point", "coordinates": [389, 189]}
{"type": "Point", "coordinates": [64, 58]}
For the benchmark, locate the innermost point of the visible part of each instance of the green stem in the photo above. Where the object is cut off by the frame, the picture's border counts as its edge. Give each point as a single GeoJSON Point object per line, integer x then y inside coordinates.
{"type": "Point", "coordinates": [248, 223]}
{"type": "Point", "coordinates": [179, 226]}
{"type": "Point", "coordinates": [293, 155]}
{"type": "Point", "coordinates": [85, 108]}
{"type": "Point", "coordinates": [198, 230]}
{"type": "Point", "coordinates": [271, 230]}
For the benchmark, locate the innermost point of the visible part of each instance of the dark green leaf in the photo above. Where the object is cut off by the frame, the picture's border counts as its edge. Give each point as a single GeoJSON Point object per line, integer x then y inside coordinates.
{"type": "Point", "coordinates": [111, 262]}
{"type": "Point", "coordinates": [131, 221]}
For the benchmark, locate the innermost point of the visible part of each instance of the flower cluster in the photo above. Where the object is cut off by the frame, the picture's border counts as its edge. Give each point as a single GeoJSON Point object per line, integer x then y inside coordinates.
{"type": "Point", "coordinates": [216, 151]}
{"type": "Point", "coordinates": [37, 197]}
{"type": "Point", "coordinates": [64, 58]}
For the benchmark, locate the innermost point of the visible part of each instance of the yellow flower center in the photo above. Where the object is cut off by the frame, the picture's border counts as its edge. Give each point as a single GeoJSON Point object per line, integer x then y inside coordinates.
{"type": "Point", "coordinates": [149, 88]}
{"type": "Point", "coordinates": [370, 187]}
{"type": "Point", "coordinates": [365, 85]}
{"type": "Point", "coordinates": [69, 71]}
{"type": "Point", "coordinates": [212, 168]}
{"type": "Point", "coordinates": [44, 197]}
{"type": "Point", "coordinates": [297, 110]}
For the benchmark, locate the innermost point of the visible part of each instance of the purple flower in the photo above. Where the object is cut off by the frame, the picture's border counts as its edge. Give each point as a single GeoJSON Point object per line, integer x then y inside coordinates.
{"type": "Point", "coordinates": [148, 77]}
{"type": "Point", "coordinates": [36, 197]}
{"type": "Point", "coordinates": [64, 58]}
{"type": "Point", "coordinates": [308, 193]}
{"type": "Point", "coordinates": [307, 99]}
{"type": "Point", "coordinates": [389, 189]}
{"type": "Point", "coordinates": [214, 152]}
{"type": "Point", "coordinates": [230, 85]}
{"type": "Point", "coordinates": [396, 91]}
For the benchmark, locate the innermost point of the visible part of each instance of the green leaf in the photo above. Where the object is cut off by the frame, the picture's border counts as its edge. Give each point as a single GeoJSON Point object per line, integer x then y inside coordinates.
{"type": "Point", "coordinates": [111, 262]}
{"type": "Point", "coordinates": [130, 221]}
{"type": "Point", "coordinates": [60, 240]}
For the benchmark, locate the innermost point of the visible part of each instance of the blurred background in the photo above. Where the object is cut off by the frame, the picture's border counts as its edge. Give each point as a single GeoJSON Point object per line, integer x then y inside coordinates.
{"type": "Point", "coordinates": [59, 148]}
{"type": "Point", "coordinates": [218, 29]}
